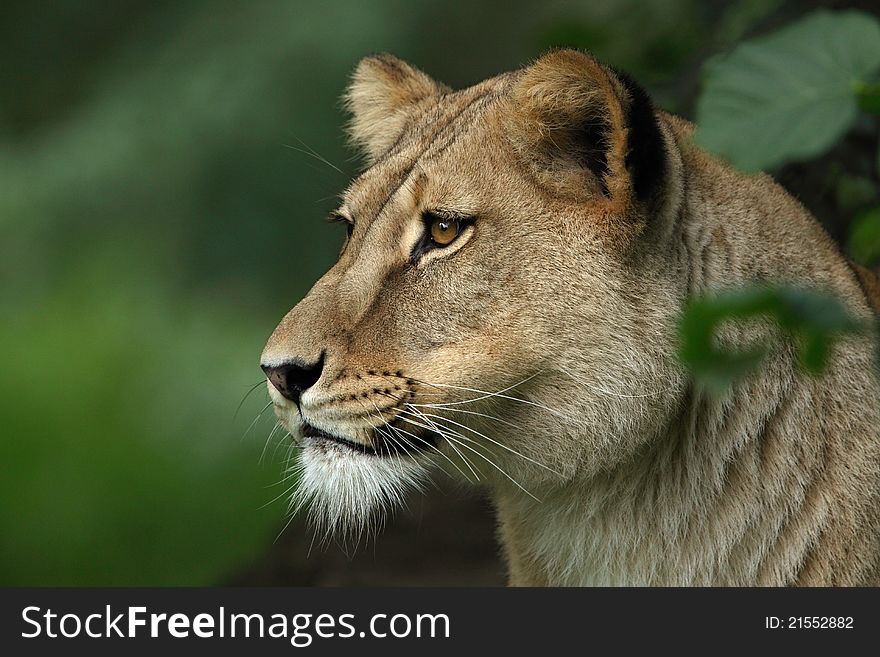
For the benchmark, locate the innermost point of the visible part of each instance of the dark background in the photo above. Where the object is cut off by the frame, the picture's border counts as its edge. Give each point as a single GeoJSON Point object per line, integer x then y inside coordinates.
{"type": "Point", "coordinates": [164, 171]}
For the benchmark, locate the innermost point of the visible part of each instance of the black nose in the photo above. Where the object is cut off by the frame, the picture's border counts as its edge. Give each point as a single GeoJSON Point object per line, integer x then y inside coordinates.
{"type": "Point", "coordinates": [294, 377]}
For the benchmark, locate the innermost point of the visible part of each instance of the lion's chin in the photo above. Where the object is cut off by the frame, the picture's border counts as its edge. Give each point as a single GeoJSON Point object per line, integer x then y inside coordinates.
{"type": "Point", "coordinates": [349, 492]}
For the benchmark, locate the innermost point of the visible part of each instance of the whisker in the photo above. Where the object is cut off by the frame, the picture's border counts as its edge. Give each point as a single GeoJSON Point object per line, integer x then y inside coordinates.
{"type": "Point", "coordinates": [604, 391]}
{"type": "Point", "coordinates": [497, 467]}
{"type": "Point", "coordinates": [411, 445]}
{"type": "Point", "coordinates": [246, 395]}
{"type": "Point", "coordinates": [467, 412]}
{"type": "Point", "coordinates": [448, 436]}
{"type": "Point", "coordinates": [484, 392]}
{"type": "Point", "coordinates": [433, 449]}
{"type": "Point", "coordinates": [486, 395]}
{"type": "Point", "coordinates": [290, 516]}
{"type": "Point", "coordinates": [495, 442]}
{"type": "Point", "coordinates": [284, 493]}
{"type": "Point", "coordinates": [443, 433]}
{"type": "Point", "coordinates": [268, 440]}
{"type": "Point", "coordinates": [256, 419]}
{"type": "Point", "coordinates": [308, 150]}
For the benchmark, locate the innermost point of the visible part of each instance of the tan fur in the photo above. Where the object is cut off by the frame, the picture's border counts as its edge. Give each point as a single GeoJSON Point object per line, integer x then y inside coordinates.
{"type": "Point", "coordinates": [606, 463]}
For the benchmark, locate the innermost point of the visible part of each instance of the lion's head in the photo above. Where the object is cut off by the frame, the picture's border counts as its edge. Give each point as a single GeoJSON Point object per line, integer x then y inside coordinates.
{"type": "Point", "coordinates": [502, 305]}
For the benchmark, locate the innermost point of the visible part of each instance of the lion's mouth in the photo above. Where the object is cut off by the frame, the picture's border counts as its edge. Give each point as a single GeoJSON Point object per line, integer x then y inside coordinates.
{"type": "Point", "coordinates": [384, 443]}
{"type": "Point", "coordinates": [310, 431]}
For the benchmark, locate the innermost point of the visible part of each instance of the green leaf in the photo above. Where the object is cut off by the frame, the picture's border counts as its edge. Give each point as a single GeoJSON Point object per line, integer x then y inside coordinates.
{"type": "Point", "coordinates": [789, 95]}
{"type": "Point", "coordinates": [868, 97]}
{"type": "Point", "coordinates": [812, 319]}
{"type": "Point", "coordinates": [864, 238]}
{"type": "Point", "coordinates": [855, 193]}
{"type": "Point", "coordinates": [877, 163]}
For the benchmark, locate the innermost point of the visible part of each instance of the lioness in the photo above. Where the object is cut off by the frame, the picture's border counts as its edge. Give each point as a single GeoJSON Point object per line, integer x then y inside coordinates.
{"type": "Point", "coordinates": [506, 305]}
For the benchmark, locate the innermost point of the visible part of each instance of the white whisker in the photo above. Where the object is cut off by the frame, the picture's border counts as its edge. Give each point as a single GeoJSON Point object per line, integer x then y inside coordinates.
{"type": "Point", "coordinates": [448, 435]}
{"type": "Point", "coordinates": [256, 419]}
{"type": "Point", "coordinates": [495, 442]}
{"type": "Point", "coordinates": [442, 434]}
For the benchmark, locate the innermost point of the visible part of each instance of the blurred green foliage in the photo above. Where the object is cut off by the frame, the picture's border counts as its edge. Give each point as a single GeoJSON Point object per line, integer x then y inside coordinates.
{"type": "Point", "coordinates": [159, 213]}
{"type": "Point", "coordinates": [791, 94]}
{"type": "Point", "coordinates": [864, 239]}
{"type": "Point", "coordinates": [787, 96]}
{"type": "Point", "coordinates": [812, 320]}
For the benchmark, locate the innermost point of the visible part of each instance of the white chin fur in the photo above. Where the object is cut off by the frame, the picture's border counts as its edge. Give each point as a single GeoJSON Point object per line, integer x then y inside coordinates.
{"type": "Point", "coordinates": [349, 493]}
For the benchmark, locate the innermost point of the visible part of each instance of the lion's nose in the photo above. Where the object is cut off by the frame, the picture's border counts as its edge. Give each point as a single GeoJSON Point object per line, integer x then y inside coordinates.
{"type": "Point", "coordinates": [294, 377]}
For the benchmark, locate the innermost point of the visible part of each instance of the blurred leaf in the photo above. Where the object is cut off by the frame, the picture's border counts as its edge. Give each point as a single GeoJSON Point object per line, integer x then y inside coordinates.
{"type": "Point", "coordinates": [122, 463]}
{"type": "Point", "coordinates": [737, 19]}
{"type": "Point", "coordinates": [864, 238]}
{"type": "Point", "coordinates": [573, 33]}
{"type": "Point", "coordinates": [869, 97]}
{"type": "Point", "coordinates": [669, 32]}
{"type": "Point", "coordinates": [789, 95]}
{"type": "Point", "coordinates": [855, 192]}
{"type": "Point", "coordinates": [814, 320]}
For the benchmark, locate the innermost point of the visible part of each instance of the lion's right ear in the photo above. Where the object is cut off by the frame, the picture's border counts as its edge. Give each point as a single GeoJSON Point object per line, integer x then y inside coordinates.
{"type": "Point", "coordinates": [384, 91]}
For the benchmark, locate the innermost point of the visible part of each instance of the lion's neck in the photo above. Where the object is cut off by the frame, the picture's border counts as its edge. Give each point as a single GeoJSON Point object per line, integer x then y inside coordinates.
{"type": "Point", "coordinates": [726, 497]}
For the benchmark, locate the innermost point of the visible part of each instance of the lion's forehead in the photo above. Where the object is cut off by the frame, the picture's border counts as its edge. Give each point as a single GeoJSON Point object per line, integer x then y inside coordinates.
{"type": "Point", "coordinates": [453, 124]}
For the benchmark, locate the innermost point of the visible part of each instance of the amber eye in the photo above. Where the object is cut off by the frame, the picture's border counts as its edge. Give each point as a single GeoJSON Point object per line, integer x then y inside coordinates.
{"type": "Point", "coordinates": [444, 231]}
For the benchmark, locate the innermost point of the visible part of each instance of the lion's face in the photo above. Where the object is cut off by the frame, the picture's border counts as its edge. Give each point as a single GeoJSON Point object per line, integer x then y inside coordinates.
{"type": "Point", "coordinates": [482, 314]}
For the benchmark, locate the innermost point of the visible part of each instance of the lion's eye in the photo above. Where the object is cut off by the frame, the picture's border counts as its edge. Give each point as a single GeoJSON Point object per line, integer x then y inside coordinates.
{"type": "Point", "coordinates": [441, 229]}
{"type": "Point", "coordinates": [336, 217]}
{"type": "Point", "coordinates": [444, 231]}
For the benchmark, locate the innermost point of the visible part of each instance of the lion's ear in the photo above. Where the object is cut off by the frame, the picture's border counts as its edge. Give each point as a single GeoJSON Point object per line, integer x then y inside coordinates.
{"type": "Point", "coordinates": [383, 92]}
{"type": "Point", "coordinates": [587, 128]}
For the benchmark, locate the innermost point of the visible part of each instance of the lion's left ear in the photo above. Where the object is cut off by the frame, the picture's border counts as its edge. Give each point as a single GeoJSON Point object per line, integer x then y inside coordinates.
{"type": "Point", "coordinates": [383, 92]}
{"type": "Point", "coordinates": [588, 129]}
